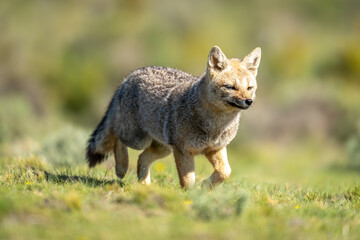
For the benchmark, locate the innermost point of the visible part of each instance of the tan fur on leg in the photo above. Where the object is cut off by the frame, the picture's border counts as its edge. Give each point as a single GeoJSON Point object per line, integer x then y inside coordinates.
{"type": "Point", "coordinates": [186, 168]}
{"type": "Point", "coordinates": [221, 166]}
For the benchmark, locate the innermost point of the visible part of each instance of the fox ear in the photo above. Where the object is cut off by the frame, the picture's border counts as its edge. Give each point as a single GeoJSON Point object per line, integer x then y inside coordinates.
{"type": "Point", "coordinates": [216, 59]}
{"type": "Point", "coordinates": [252, 61]}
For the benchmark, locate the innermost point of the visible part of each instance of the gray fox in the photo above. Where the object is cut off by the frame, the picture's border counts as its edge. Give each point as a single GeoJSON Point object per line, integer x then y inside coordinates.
{"type": "Point", "coordinates": [162, 110]}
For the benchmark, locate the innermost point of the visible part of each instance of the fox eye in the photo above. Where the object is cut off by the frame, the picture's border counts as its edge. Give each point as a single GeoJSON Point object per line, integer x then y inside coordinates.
{"type": "Point", "coordinates": [250, 88]}
{"type": "Point", "coordinates": [230, 87]}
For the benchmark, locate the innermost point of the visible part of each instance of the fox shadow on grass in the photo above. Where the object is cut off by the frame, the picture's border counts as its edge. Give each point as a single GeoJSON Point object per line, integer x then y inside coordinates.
{"type": "Point", "coordinates": [86, 180]}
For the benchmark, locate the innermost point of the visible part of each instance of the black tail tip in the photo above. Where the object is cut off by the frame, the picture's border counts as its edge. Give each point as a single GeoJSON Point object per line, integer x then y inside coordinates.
{"type": "Point", "coordinates": [94, 158]}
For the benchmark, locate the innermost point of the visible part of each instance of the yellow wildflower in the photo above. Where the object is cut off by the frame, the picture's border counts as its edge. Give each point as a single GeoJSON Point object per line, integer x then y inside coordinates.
{"type": "Point", "coordinates": [159, 167]}
{"type": "Point", "coordinates": [187, 202]}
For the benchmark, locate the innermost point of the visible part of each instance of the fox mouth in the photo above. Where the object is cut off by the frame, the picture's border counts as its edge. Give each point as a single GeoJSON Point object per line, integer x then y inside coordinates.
{"type": "Point", "coordinates": [241, 105]}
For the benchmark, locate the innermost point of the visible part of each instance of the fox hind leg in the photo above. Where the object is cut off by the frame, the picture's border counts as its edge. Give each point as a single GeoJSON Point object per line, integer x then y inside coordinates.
{"type": "Point", "coordinates": [121, 159]}
{"type": "Point", "coordinates": [154, 152]}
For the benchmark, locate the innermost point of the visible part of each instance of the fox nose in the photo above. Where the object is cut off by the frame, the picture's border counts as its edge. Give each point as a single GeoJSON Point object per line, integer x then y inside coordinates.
{"type": "Point", "coordinates": [248, 101]}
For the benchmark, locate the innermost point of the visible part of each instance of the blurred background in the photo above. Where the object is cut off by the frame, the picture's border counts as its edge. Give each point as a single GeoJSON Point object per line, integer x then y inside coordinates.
{"type": "Point", "coordinates": [61, 61]}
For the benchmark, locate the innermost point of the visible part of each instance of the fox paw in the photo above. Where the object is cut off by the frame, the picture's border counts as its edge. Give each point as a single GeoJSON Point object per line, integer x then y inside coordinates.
{"type": "Point", "coordinates": [120, 173]}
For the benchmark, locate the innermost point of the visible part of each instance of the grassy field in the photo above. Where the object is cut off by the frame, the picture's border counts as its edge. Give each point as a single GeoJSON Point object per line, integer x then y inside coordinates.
{"type": "Point", "coordinates": [295, 161]}
{"type": "Point", "coordinates": [272, 194]}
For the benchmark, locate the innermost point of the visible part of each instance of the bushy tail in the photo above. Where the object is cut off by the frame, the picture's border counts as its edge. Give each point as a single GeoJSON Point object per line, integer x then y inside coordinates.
{"type": "Point", "coordinates": [99, 143]}
{"type": "Point", "coordinates": [92, 155]}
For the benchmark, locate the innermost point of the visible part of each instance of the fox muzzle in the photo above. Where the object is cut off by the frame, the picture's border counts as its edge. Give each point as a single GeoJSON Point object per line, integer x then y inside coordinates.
{"type": "Point", "coordinates": [242, 104]}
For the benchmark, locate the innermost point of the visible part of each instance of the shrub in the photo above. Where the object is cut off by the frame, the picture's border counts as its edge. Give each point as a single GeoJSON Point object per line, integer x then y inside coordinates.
{"type": "Point", "coordinates": [16, 118]}
{"type": "Point", "coordinates": [219, 203]}
{"type": "Point", "coordinates": [353, 151]}
{"type": "Point", "coordinates": [65, 147]}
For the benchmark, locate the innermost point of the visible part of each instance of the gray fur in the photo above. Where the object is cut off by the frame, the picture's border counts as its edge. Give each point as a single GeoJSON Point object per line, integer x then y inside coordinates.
{"type": "Point", "coordinates": [169, 108]}
{"type": "Point", "coordinates": [162, 104]}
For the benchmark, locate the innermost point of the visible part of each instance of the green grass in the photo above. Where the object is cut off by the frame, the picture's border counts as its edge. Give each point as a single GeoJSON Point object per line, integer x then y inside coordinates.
{"type": "Point", "coordinates": [315, 201]}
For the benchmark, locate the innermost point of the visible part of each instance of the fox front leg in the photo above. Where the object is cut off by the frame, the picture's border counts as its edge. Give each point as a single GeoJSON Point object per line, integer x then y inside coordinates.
{"type": "Point", "coordinates": [186, 168]}
{"type": "Point", "coordinates": [222, 169]}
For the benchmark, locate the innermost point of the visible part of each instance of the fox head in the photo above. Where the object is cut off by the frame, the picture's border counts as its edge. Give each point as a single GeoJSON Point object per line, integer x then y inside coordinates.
{"type": "Point", "coordinates": [231, 83]}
